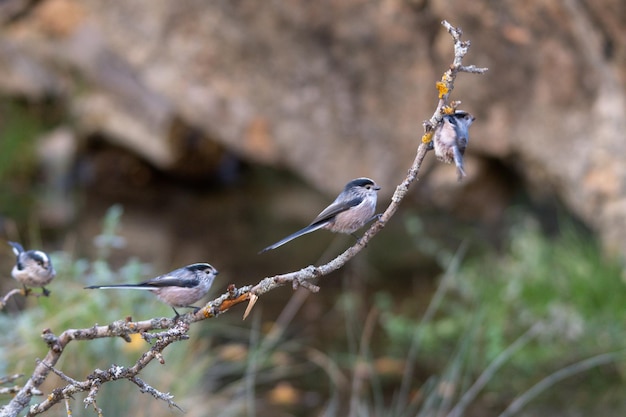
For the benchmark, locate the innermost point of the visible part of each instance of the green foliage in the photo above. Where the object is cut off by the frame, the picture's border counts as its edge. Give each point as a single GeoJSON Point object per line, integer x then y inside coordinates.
{"type": "Point", "coordinates": [70, 307]}
{"type": "Point", "coordinates": [479, 310]}
{"type": "Point", "coordinates": [564, 283]}
{"type": "Point", "coordinates": [18, 130]}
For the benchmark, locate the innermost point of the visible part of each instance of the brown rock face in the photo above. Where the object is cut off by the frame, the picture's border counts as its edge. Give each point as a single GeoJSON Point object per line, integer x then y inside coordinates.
{"type": "Point", "coordinates": [338, 89]}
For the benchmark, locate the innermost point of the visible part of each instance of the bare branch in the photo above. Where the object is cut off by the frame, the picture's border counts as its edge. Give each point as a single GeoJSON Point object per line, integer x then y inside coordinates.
{"type": "Point", "coordinates": [9, 390]}
{"type": "Point", "coordinates": [176, 329]}
{"type": "Point", "coordinates": [115, 372]}
{"type": "Point", "coordinates": [59, 373]}
{"type": "Point", "coordinates": [446, 85]}
{"type": "Point", "coordinates": [167, 397]}
{"type": "Point", "coordinates": [10, 378]}
{"type": "Point", "coordinates": [10, 294]}
{"type": "Point", "coordinates": [22, 291]}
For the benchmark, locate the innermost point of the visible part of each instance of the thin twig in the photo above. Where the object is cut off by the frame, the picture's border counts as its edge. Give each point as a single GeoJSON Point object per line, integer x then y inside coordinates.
{"type": "Point", "coordinates": [10, 390]}
{"type": "Point", "coordinates": [68, 407]}
{"type": "Point", "coordinates": [59, 373]}
{"type": "Point", "coordinates": [92, 384]}
{"type": "Point", "coordinates": [9, 378]}
{"type": "Point", "coordinates": [144, 387]}
{"type": "Point", "coordinates": [8, 295]}
{"type": "Point", "coordinates": [234, 296]}
{"type": "Point", "coordinates": [313, 272]}
{"type": "Point", "coordinates": [25, 292]}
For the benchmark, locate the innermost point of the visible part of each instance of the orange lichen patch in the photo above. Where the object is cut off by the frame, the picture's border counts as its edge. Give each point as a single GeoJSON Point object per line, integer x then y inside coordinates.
{"type": "Point", "coordinates": [206, 312]}
{"type": "Point", "coordinates": [443, 89]}
{"type": "Point", "coordinates": [428, 137]}
{"type": "Point", "coordinates": [447, 110]}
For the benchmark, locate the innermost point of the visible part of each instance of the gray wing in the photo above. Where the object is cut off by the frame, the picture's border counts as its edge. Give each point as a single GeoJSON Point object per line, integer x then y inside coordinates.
{"type": "Point", "coordinates": [334, 209]}
{"type": "Point", "coordinates": [170, 281]}
{"type": "Point", "coordinates": [320, 221]}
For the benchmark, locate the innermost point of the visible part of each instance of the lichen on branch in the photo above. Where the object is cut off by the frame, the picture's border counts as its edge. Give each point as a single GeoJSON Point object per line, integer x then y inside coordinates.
{"type": "Point", "coordinates": [174, 330]}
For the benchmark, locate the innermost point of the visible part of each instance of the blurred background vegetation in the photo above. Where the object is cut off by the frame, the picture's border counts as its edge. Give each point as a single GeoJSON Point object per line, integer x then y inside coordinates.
{"type": "Point", "coordinates": [502, 279]}
{"type": "Point", "coordinates": [404, 329]}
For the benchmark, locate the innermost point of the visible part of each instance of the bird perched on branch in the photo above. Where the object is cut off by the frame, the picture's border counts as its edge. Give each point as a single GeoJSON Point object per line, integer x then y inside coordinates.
{"type": "Point", "coordinates": [179, 288]}
{"type": "Point", "coordinates": [351, 210]}
{"type": "Point", "coordinates": [451, 137]}
{"type": "Point", "coordinates": [33, 268]}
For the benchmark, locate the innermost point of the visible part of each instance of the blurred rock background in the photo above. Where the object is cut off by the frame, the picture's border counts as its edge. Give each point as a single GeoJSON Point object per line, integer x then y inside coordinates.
{"type": "Point", "coordinates": [222, 126]}
{"type": "Point", "coordinates": [338, 89]}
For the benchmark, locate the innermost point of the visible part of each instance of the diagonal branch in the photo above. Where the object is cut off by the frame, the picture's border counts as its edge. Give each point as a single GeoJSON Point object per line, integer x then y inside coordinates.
{"type": "Point", "coordinates": [175, 330]}
{"type": "Point", "coordinates": [115, 372]}
{"type": "Point", "coordinates": [7, 379]}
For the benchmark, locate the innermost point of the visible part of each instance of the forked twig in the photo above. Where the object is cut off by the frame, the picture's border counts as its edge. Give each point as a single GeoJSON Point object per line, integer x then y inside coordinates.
{"type": "Point", "coordinates": [175, 330]}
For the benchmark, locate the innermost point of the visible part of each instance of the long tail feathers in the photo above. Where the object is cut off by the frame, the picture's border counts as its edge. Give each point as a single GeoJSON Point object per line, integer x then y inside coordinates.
{"type": "Point", "coordinates": [310, 228]}
{"type": "Point", "coordinates": [118, 286]}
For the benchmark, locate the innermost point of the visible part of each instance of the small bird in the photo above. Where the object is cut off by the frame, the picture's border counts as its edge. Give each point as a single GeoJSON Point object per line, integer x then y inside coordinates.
{"type": "Point", "coordinates": [179, 288]}
{"type": "Point", "coordinates": [33, 268]}
{"type": "Point", "coordinates": [351, 210]}
{"type": "Point", "coordinates": [451, 137]}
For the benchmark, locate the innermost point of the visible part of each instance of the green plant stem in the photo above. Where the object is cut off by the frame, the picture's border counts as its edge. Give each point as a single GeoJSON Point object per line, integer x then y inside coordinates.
{"type": "Point", "coordinates": [435, 302]}
{"type": "Point", "coordinates": [561, 374]}
{"type": "Point", "coordinates": [471, 394]}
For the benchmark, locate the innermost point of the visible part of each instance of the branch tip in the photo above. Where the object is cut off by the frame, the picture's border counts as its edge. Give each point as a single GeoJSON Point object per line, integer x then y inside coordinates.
{"type": "Point", "coordinates": [177, 330]}
{"type": "Point", "coordinates": [253, 299]}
